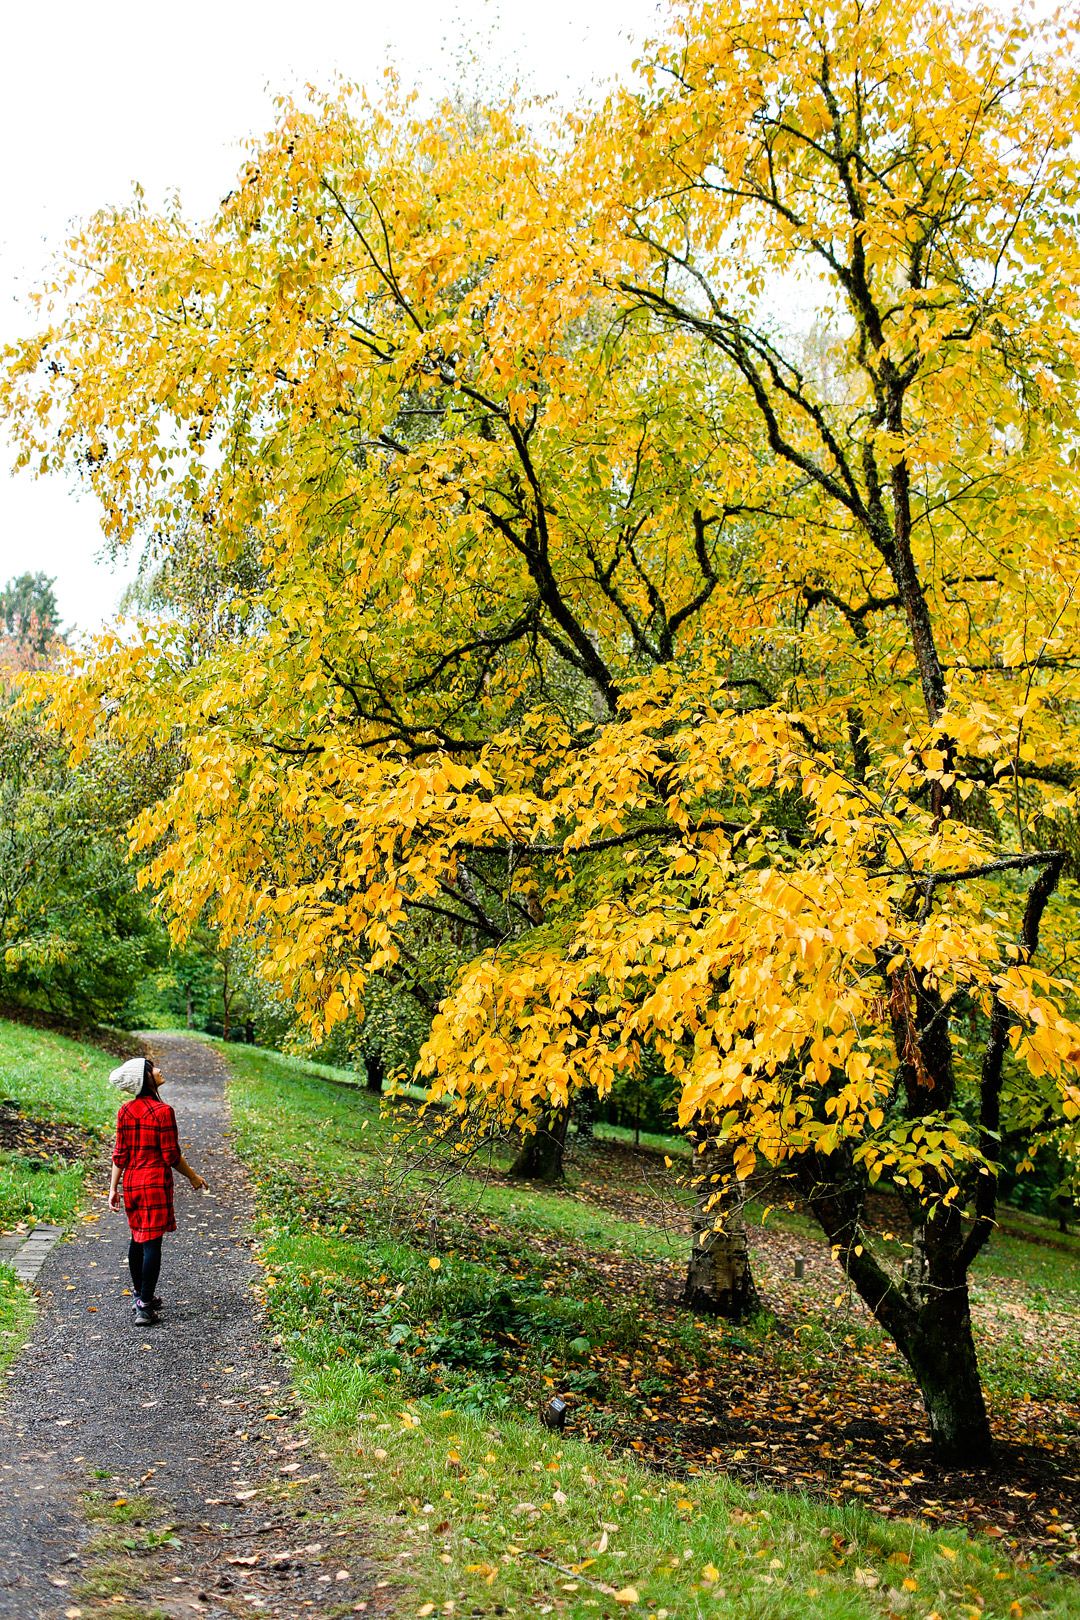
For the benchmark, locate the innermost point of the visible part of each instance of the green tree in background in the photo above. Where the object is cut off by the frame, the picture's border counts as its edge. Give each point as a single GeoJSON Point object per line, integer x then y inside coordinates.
{"type": "Point", "coordinates": [76, 935]}
{"type": "Point", "coordinates": [29, 613]}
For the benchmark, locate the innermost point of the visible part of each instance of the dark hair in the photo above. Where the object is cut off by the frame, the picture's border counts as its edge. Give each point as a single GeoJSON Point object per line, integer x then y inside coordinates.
{"type": "Point", "coordinates": [148, 1088]}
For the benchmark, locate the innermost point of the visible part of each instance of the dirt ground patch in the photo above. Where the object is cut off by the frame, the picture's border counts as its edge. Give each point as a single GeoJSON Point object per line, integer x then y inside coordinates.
{"type": "Point", "coordinates": [42, 1139]}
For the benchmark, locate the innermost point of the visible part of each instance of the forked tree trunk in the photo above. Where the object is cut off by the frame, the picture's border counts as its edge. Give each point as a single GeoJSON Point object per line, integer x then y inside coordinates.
{"type": "Point", "coordinates": [541, 1155]}
{"type": "Point", "coordinates": [719, 1279]}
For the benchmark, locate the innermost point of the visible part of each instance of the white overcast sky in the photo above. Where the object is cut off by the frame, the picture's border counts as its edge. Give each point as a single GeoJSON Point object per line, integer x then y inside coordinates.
{"type": "Point", "coordinates": [99, 96]}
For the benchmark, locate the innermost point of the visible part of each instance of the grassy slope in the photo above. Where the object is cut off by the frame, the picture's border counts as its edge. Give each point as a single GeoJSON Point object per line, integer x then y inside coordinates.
{"type": "Point", "coordinates": [493, 1509]}
{"type": "Point", "coordinates": [53, 1079]}
{"type": "Point", "coordinates": [58, 1080]}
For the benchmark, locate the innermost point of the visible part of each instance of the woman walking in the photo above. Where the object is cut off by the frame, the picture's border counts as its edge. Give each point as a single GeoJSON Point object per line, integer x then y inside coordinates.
{"type": "Point", "coordinates": [147, 1148]}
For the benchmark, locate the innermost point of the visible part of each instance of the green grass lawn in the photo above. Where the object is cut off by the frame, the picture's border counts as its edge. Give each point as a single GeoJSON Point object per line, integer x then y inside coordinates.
{"type": "Point", "coordinates": [54, 1078]}
{"type": "Point", "coordinates": [424, 1371]}
{"type": "Point", "coordinates": [16, 1316]}
{"type": "Point", "coordinates": [55, 1081]}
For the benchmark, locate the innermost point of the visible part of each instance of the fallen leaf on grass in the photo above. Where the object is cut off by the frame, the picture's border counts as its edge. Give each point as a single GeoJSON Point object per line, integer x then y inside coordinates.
{"type": "Point", "coordinates": [627, 1594]}
{"type": "Point", "coordinates": [866, 1577]}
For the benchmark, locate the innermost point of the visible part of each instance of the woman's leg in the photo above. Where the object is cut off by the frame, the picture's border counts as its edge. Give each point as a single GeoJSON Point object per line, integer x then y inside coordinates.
{"type": "Point", "coordinates": [135, 1266]}
{"type": "Point", "coordinates": [151, 1268]}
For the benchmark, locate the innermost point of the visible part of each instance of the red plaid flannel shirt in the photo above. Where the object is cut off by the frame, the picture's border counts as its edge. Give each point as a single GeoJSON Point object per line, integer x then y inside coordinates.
{"type": "Point", "coordinates": [146, 1147]}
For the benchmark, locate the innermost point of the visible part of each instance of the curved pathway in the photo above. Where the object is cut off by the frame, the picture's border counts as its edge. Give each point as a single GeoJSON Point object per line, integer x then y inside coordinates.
{"type": "Point", "coordinates": [194, 1414]}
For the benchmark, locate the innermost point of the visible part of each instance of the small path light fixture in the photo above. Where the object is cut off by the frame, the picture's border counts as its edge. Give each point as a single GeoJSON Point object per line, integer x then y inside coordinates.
{"type": "Point", "coordinates": [554, 1414]}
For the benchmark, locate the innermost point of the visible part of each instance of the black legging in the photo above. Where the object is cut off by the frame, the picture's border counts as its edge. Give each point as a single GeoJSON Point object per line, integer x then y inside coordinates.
{"type": "Point", "coordinates": [144, 1263]}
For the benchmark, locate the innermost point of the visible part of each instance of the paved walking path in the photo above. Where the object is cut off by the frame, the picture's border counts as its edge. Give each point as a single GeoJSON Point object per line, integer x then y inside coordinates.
{"type": "Point", "coordinates": [26, 1252]}
{"type": "Point", "coordinates": [194, 1413]}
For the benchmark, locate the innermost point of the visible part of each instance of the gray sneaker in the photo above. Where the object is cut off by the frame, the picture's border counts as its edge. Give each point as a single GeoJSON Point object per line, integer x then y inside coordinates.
{"type": "Point", "coordinates": [144, 1316]}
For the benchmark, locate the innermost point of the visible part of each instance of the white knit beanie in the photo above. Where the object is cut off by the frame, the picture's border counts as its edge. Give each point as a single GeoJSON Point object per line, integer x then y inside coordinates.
{"type": "Point", "coordinates": [129, 1076]}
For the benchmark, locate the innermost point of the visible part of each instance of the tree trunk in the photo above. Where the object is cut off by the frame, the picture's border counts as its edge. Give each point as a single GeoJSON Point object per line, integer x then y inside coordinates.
{"type": "Point", "coordinates": [926, 1312]}
{"type": "Point", "coordinates": [585, 1105]}
{"type": "Point", "coordinates": [941, 1353]}
{"type": "Point", "coordinates": [225, 998]}
{"type": "Point", "coordinates": [373, 1068]}
{"type": "Point", "coordinates": [719, 1279]}
{"type": "Point", "coordinates": [541, 1155]}
{"type": "Point", "coordinates": [188, 990]}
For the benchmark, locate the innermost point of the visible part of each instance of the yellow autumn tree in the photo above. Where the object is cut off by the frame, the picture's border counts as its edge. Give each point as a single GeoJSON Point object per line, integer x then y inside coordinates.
{"type": "Point", "coordinates": [644, 568]}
